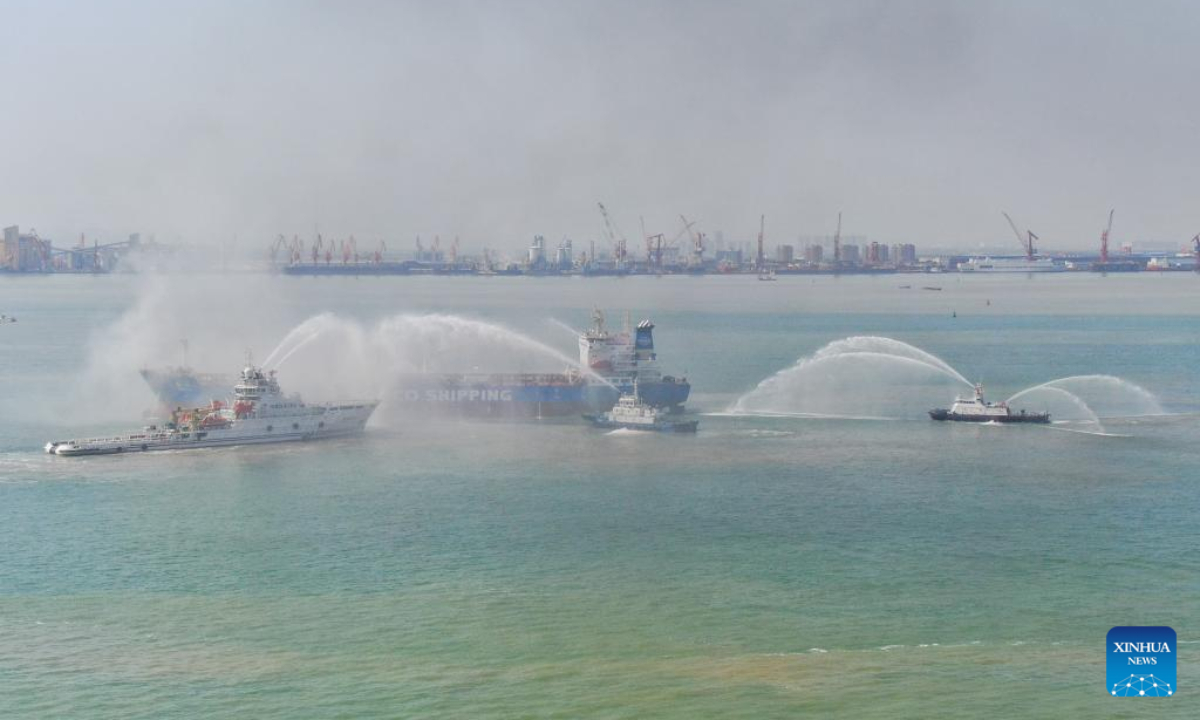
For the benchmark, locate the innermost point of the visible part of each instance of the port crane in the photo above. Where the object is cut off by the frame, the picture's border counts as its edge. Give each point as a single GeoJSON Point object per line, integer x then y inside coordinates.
{"type": "Point", "coordinates": [349, 249]}
{"type": "Point", "coordinates": [762, 226]}
{"type": "Point", "coordinates": [837, 242]}
{"type": "Point", "coordinates": [1026, 242]}
{"type": "Point", "coordinates": [657, 244]}
{"type": "Point", "coordinates": [614, 236]}
{"type": "Point", "coordinates": [697, 241]}
{"type": "Point", "coordinates": [279, 244]}
{"type": "Point", "coordinates": [1104, 239]}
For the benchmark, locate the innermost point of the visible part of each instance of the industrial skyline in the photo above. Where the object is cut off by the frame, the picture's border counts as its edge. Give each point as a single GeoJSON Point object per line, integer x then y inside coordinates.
{"type": "Point", "coordinates": [493, 122]}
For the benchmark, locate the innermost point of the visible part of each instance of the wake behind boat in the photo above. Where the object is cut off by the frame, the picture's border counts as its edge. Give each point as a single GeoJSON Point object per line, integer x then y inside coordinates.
{"type": "Point", "coordinates": [976, 409]}
{"type": "Point", "coordinates": [260, 414]}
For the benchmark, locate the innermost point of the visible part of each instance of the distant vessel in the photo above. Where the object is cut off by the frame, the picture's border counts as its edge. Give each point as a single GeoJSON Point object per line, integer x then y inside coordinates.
{"type": "Point", "coordinates": [610, 362]}
{"type": "Point", "coordinates": [261, 413]}
{"type": "Point", "coordinates": [1117, 266]}
{"type": "Point", "coordinates": [976, 409]}
{"type": "Point", "coordinates": [632, 413]}
{"type": "Point", "coordinates": [5, 320]}
{"type": "Point", "coordinates": [1011, 265]}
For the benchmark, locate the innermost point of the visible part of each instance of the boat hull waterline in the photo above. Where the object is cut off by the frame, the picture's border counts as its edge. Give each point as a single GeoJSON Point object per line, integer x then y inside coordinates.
{"type": "Point", "coordinates": [674, 426]}
{"type": "Point", "coordinates": [1023, 417]}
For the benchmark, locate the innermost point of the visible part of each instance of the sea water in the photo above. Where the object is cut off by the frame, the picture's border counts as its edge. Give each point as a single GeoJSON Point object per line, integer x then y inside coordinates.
{"type": "Point", "coordinates": [857, 564]}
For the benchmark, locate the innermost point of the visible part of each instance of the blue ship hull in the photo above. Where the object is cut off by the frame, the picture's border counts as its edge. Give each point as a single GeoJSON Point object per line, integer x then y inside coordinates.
{"type": "Point", "coordinates": [546, 396]}
{"type": "Point", "coordinates": [667, 394]}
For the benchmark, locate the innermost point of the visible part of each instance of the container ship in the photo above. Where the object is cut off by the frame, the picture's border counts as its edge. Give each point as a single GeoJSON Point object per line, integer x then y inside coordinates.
{"type": "Point", "coordinates": [610, 362]}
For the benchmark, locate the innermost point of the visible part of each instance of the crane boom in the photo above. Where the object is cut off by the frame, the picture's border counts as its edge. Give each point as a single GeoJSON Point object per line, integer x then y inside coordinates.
{"type": "Point", "coordinates": [1013, 225]}
{"type": "Point", "coordinates": [1104, 238]}
{"type": "Point", "coordinates": [614, 235]}
{"type": "Point", "coordinates": [1026, 242]}
{"type": "Point", "coordinates": [762, 226]}
{"type": "Point", "coordinates": [837, 241]}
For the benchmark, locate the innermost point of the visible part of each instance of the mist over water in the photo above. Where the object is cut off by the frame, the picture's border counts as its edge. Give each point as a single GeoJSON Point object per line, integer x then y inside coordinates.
{"type": "Point", "coordinates": [328, 356]}
{"type": "Point", "coordinates": [215, 326]}
{"type": "Point", "coordinates": [1104, 395]}
{"type": "Point", "coordinates": [863, 376]}
{"type": "Point", "coordinates": [868, 376]}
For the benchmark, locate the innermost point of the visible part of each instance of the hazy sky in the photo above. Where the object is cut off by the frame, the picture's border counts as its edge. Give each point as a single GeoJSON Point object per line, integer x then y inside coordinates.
{"type": "Point", "coordinates": [498, 120]}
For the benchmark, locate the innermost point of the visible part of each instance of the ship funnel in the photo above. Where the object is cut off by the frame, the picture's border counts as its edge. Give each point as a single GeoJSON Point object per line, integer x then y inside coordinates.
{"type": "Point", "coordinates": [645, 337]}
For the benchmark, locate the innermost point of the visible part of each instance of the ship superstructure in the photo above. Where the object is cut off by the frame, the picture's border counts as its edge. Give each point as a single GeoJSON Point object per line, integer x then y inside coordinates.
{"type": "Point", "coordinates": [619, 359]}
{"type": "Point", "coordinates": [259, 413]}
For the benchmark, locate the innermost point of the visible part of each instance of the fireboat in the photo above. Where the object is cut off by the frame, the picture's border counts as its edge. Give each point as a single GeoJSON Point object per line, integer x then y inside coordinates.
{"type": "Point", "coordinates": [976, 409]}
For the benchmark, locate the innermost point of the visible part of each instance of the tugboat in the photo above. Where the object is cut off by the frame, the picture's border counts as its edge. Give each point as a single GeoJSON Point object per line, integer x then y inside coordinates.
{"type": "Point", "coordinates": [633, 413]}
{"type": "Point", "coordinates": [978, 410]}
{"type": "Point", "coordinates": [261, 413]}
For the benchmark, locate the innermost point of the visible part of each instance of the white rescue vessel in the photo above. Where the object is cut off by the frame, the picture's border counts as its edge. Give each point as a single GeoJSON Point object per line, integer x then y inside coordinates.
{"type": "Point", "coordinates": [260, 414]}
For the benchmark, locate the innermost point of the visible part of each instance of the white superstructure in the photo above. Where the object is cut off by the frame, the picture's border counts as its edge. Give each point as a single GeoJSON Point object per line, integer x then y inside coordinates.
{"type": "Point", "coordinates": [630, 411]}
{"type": "Point", "coordinates": [1010, 264]}
{"type": "Point", "coordinates": [620, 355]}
{"type": "Point", "coordinates": [261, 413]}
{"type": "Point", "coordinates": [977, 407]}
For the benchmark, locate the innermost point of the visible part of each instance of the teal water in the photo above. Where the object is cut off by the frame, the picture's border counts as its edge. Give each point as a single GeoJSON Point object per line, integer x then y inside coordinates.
{"type": "Point", "coordinates": [768, 567]}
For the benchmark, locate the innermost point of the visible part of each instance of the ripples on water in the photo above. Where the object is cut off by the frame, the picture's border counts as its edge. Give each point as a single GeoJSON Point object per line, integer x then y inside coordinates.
{"type": "Point", "coordinates": [774, 566]}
